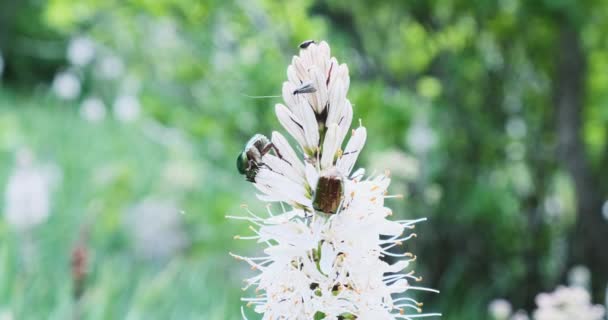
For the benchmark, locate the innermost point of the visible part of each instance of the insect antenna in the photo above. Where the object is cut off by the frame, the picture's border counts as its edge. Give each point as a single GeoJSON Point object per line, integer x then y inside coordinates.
{"type": "Point", "coordinates": [259, 97]}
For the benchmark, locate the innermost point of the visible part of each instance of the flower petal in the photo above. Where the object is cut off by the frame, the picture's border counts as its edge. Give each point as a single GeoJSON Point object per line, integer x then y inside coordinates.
{"type": "Point", "coordinates": [347, 161]}
{"type": "Point", "coordinates": [287, 151]}
{"type": "Point", "coordinates": [291, 123]}
{"type": "Point", "coordinates": [330, 146]}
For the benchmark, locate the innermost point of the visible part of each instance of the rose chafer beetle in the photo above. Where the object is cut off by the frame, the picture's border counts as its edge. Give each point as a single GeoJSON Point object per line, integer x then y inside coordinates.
{"type": "Point", "coordinates": [329, 193]}
{"type": "Point", "coordinates": [249, 162]}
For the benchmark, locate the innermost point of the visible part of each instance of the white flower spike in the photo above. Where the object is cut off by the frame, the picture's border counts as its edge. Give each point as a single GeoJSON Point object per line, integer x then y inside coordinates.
{"type": "Point", "coordinates": [567, 303]}
{"type": "Point", "coordinates": [328, 253]}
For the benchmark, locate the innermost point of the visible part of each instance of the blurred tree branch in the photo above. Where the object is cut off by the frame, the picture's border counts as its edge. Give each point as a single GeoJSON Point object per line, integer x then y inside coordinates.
{"type": "Point", "coordinates": [590, 234]}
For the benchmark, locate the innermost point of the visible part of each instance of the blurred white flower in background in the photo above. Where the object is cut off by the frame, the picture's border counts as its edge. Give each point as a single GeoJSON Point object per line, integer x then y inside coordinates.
{"type": "Point", "coordinates": [165, 35]}
{"type": "Point", "coordinates": [606, 297]}
{"type": "Point", "coordinates": [518, 174]}
{"type": "Point", "coordinates": [516, 128]}
{"type": "Point", "coordinates": [130, 84]}
{"type": "Point", "coordinates": [126, 108]}
{"type": "Point", "coordinates": [155, 226]}
{"type": "Point", "coordinates": [400, 164]}
{"type": "Point", "coordinates": [66, 85]}
{"type": "Point", "coordinates": [27, 195]}
{"type": "Point", "coordinates": [567, 303]}
{"type": "Point", "coordinates": [520, 315]}
{"type": "Point", "coordinates": [605, 210]}
{"type": "Point", "coordinates": [181, 174]}
{"type": "Point", "coordinates": [579, 276]}
{"type": "Point", "coordinates": [553, 206]}
{"type": "Point", "coordinates": [93, 109]}
{"type": "Point", "coordinates": [250, 53]}
{"type": "Point", "coordinates": [515, 150]}
{"type": "Point", "coordinates": [81, 51]}
{"type": "Point", "coordinates": [6, 314]}
{"type": "Point", "coordinates": [500, 309]}
{"type": "Point", "coordinates": [110, 67]}
{"type": "Point", "coordinates": [420, 137]}
{"type": "Point", "coordinates": [433, 193]}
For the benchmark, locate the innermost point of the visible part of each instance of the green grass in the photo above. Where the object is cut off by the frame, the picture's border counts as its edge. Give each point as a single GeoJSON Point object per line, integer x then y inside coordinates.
{"type": "Point", "coordinates": [201, 283]}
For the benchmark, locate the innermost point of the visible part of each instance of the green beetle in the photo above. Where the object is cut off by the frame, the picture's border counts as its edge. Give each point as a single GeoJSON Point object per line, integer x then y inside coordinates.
{"type": "Point", "coordinates": [250, 161]}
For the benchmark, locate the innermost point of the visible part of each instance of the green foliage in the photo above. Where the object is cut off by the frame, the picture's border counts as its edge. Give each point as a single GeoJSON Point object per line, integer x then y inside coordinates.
{"type": "Point", "coordinates": [502, 206]}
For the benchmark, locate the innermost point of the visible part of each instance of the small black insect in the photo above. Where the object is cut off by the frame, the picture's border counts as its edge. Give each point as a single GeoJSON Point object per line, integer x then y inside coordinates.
{"type": "Point", "coordinates": [328, 194]}
{"type": "Point", "coordinates": [249, 161]}
{"type": "Point", "coordinates": [306, 43]}
{"type": "Point", "coordinates": [307, 87]}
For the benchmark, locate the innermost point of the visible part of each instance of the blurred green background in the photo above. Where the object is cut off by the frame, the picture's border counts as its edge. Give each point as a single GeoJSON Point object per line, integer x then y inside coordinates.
{"type": "Point", "coordinates": [491, 115]}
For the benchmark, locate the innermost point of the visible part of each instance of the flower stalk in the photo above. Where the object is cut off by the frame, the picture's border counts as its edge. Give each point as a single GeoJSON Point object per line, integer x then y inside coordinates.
{"type": "Point", "coordinates": [327, 249]}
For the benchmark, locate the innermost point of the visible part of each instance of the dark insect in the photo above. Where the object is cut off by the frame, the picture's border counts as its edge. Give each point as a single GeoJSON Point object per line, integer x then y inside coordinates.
{"type": "Point", "coordinates": [249, 161]}
{"type": "Point", "coordinates": [306, 43]}
{"type": "Point", "coordinates": [329, 194]}
{"type": "Point", "coordinates": [305, 88]}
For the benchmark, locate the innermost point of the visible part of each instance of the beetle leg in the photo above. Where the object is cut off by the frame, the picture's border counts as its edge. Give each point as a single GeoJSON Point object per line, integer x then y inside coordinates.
{"type": "Point", "coordinates": [271, 146]}
{"type": "Point", "coordinates": [250, 164]}
{"type": "Point", "coordinates": [267, 149]}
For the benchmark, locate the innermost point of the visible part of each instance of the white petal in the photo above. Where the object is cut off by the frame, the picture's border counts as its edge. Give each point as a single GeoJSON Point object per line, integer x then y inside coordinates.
{"type": "Point", "coordinates": [283, 218]}
{"type": "Point", "coordinates": [312, 176]}
{"type": "Point", "coordinates": [358, 174]}
{"type": "Point", "coordinates": [398, 266]}
{"type": "Point", "coordinates": [307, 55]}
{"type": "Point", "coordinates": [278, 186]}
{"type": "Point", "coordinates": [292, 124]}
{"type": "Point", "coordinates": [292, 75]}
{"type": "Point", "coordinates": [337, 99]}
{"type": "Point", "coordinates": [287, 151]}
{"type": "Point", "coordinates": [332, 71]}
{"type": "Point", "coordinates": [343, 74]}
{"type": "Point", "coordinates": [346, 163]}
{"type": "Point", "coordinates": [345, 121]}
{"type": "Point", "coordinates": [390, 228]}
{"type": "Point", "coordinates": [311, 127]}
{"type": "Point", "coordinates": [289, 97]}
{"type": "Point", "coordinates": [300, 70]}
{"type": "Point", "coordinates": [282, 167]}
{"type": "Point", "coordinates": [318, 80]}
{"type": "Point", "coordinates": [323, 55]}
{"type": "Point", "coordinates": [300, 108]}
{"type": "Point", "coordinates": [398, 286]}
{"type": "Point", "coordinates": [330, 146]}
{"type": "Point", "coordinates": [328, 255]}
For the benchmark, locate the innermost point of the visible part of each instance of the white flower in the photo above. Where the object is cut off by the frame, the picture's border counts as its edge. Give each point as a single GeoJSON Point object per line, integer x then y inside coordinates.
{"type": "Point", "coordinates": [66, 85]}
{"type": "Point", "coordinates": [520, 315]}
{"type": "Point", "coordinates": [81, 51]}
{"type": "Point", "coordinates": [605, 210]}
{"type": "Point", "coordinates": [516, 128]}
{"type": "Point", "coordinates": [110, 67]}
{"type": "Point", "coordinates": [399, 163]}
{"type": "Point", "coordinates": [6, 314]}
{"type": "Point", "coordinates": [579, 276]}
{"type": "Point", "coordinates": [126, 108]}
{"type": "Point", "coordinates": [421, 138]}
{"type": "Point", "coordinates": [181, 174]}
{"type": "Point", "coordinates": [500, 309]}
{"type": "Point", "coordinates": [323, 256]}
{"type": "Point", "coordinates": [27, 195]}
{"type": "Point", "coordinates": [156, 228]}
{"type": "Point", "coordinates": [93, 109]}
{"type": "Point", "coordinates": [567, 303]}
{"type": "Point", "coordinates": [553, 206]}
